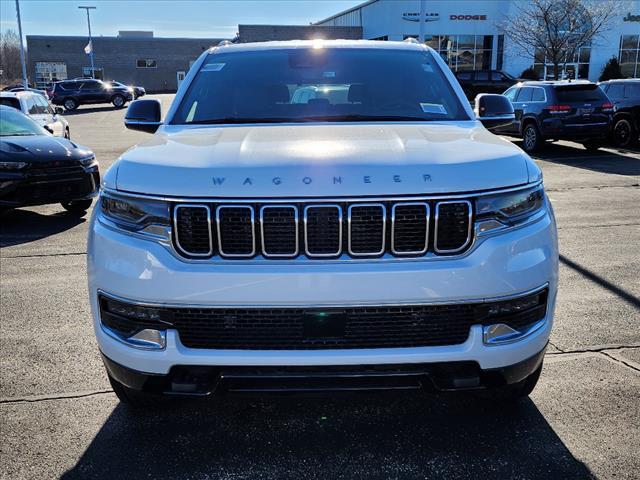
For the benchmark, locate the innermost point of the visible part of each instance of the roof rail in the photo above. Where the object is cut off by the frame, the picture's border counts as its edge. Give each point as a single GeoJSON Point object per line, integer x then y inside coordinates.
{"type": "Point", "coordinates": [224, 43]}
{"type": "Point", "coordinates": [411, 40]}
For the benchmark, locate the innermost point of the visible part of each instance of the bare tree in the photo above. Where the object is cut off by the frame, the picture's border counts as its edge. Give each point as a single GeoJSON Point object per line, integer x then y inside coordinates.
{"type": "Point", "coordinates": [557, 29]}
{"type": "Point", "coordinates": [10, 57]}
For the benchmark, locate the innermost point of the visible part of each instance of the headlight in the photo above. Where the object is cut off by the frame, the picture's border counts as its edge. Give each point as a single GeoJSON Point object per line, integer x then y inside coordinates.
{"type": "Point", "coordinates": [12, 165]}
{"type": "Point", "coordinates": [134, 214]}
{"type": "Point", "coordinates": [88, 161]}
{"type": "Point", "coordinates": [510, 208]}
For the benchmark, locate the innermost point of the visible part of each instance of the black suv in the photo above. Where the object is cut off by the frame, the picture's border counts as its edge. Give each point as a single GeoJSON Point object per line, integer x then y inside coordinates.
{"type": "Point", "coordinates": [474, 82]}
{"type": "Point", "coordinates": [559, 110]}
{"type": "Point", "coordinates": [625, 95]}
{"type": "Point", "coordinates": [72, 93]}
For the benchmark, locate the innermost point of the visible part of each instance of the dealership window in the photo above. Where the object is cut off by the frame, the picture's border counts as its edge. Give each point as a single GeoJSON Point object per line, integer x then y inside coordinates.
{"type": "Point", "coordinates": [48, 72]}
{"type": "Point", "coordinates": [97, 73]}
{"type": "Point", "coordinates": [629, 56]}
{"type": "Point", "coordinates": [571, 68]}
{"type": "Point", "coordinates": [146, 63]}
{"type": "Point", "coordinates": [464, 52]}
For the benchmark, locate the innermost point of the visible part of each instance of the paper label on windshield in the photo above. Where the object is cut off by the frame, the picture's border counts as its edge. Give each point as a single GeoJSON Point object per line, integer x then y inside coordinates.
{"type": "Point", "coordinates": [433, 108]}
{"type": "Point", "coordinates": [427, 68]}
{"type": "Point", "coordinates": [213, 67]}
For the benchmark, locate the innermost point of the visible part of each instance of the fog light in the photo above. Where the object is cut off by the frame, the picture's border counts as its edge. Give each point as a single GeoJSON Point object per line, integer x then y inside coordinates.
{"type": "Point", "coordinates": [147, 339]}
{"type": "Point", "coordinates": [499, 333]}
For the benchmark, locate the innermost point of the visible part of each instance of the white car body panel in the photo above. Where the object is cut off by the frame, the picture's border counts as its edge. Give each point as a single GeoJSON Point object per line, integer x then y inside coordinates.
{"type": "Point", "coordinates": [312, 161]}
{"type": "Point", "coordinates": [49, 119]}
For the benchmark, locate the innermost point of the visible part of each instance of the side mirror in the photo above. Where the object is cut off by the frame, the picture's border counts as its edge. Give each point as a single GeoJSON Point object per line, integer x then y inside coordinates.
{"type": "Point", "coordinates": [143, 115]}
{"type": "Point", "coordinates": [494, 110]}
{"type": "Point", "coordinates": [59, 110]}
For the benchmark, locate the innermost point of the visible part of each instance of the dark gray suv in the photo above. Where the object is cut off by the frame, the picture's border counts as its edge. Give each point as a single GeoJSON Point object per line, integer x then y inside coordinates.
{"type": "Point", "coordinates": [73, 93]}
{"type": "Point", "coordinates": [559, 110]}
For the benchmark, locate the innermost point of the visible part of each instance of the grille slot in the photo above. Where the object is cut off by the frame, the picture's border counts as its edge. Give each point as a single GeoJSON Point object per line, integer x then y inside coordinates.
{"type": "Point", "coordinates": [279, 226]}
{"type": "Point", "coordinates": [323, 230]}
{"type": "Point", "coordinates": [193, 230]}
{"type": "Point", "coordinates": [367, 229]}
{"type": "Point", "coordinates": [410, 228]}
{"type": "Point", "coordinates": [236, 232]}
{"type": "Point", "coordinates": [453, 226]}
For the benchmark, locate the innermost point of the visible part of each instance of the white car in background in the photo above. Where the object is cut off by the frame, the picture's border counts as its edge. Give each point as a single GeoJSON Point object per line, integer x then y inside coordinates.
{"type": "Point", "coordinates": [39, 109]}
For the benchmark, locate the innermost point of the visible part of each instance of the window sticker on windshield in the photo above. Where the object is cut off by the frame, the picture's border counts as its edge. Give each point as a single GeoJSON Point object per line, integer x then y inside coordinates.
{"type": "Point", "coordinates": [427, 68]}
{"type": "Point", "coordinates": [328, 74]}
{"type": "Point", "coordinates": [433, 108]}
{"type": "Point", "coordinates": [213, 67]}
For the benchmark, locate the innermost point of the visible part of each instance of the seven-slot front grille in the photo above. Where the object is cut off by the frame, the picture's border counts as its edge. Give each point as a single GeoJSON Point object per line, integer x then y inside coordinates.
{"type": "Point", "coordinates": [323, 230]}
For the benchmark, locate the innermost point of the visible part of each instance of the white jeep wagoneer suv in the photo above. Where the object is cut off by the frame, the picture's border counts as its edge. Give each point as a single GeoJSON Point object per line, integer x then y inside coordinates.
{"type": "Point", "coordinates": [322, 215]}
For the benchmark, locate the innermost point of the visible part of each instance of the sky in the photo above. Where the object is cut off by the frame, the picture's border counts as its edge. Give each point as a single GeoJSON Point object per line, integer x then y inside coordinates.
{"type": "Point", "coordinates": [167, 18]}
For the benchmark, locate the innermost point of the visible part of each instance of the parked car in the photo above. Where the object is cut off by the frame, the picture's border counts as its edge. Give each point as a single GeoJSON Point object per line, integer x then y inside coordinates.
{"type": "Point", "coordinates": [625, 96]}
{"type": "Point", "coordinates": [37, 168]}
{"type": "Point", "coordinates": [474, 82]}
{"type": "Point", "coordinates": [39, 109]}
{"type": "Point", "coordinates": [20, 88]}
{"type": "Point", "coordinates": [559, 110]}
{"type": "Point", "coordinates": [136, 90]}
{"type": "Point", "coordinates": [377, 238]}
{"type": "Point", "coordinates": [73, 93]}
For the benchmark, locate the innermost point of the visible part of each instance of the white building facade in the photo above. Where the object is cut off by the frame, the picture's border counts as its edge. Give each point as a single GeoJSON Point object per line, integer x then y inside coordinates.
{"type": "Point", "coordinates": [467, 34]}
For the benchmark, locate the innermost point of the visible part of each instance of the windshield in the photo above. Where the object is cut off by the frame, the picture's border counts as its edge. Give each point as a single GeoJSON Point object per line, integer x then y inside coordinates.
{"type": "Point", "coordinates": [580, 93]}
{"type": "Point", "coordinates": [324, 84]}
{"type": "Point", "coordinates": [14, 123]}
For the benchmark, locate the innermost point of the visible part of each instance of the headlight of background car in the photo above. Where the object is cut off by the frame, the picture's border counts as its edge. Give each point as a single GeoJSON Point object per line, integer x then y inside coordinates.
{"type": "Point", "coordinates": [138, 215]}
{"type": "Point", "coordinates": [509, 209]}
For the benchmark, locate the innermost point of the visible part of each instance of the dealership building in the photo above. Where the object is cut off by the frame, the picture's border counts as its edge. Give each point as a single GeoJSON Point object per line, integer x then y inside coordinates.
{"type": "Point", "coordinates": [467, 34]}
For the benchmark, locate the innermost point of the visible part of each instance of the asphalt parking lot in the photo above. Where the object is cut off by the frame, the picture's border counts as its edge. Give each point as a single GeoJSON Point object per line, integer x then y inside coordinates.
{"type": "Point", "coordinates": [59, 417]}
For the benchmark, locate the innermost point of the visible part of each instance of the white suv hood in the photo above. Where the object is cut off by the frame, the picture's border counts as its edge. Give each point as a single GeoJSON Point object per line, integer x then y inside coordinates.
{"type": "Point", "coordinates": [303, 160]}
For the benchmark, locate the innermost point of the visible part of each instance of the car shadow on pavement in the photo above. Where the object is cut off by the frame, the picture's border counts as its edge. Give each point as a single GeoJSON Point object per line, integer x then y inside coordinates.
{"type": "Point", "coordinates": [617, 161]}
{"type": "Point", "coordinates": [411, 435]}
{"type": "Point", "coordinates": [23, 226]}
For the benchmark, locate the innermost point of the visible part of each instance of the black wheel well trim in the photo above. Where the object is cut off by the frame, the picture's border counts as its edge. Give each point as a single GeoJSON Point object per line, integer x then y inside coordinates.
{"type": "Point", "coordinates": [526, 121]}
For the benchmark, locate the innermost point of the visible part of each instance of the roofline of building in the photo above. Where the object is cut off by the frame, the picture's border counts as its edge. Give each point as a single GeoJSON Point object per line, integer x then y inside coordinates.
{"type": "Point", "coordinates": [292, 26]}
{"type": "Point", "coordinates": [74, 37]}
{"type": "Point", "coordinates": [348, 10]}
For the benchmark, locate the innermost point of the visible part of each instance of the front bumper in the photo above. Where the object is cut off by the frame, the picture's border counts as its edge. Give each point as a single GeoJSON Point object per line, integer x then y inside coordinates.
{"type": "Point", "coordinates": [497, 266]}
{"type": "Point", "coordinates": [28, 187]}
{"type": "Point", "coordinates": [202, 381]}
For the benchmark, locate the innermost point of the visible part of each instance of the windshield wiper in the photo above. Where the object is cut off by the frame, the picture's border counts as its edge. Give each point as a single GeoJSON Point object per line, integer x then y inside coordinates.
{"type": "Point", "coordinates": [313, 118]}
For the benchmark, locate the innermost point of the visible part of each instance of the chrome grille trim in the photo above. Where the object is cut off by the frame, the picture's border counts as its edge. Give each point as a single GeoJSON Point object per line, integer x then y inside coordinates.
{"type": "Point", "coordinates": [176, 229]}
{"type": "Point", "coordinates": [426, 233]}
{"type": "Point", "coordinates": [469, 226]}
{"type": "Point", "coordinates": [306, 240]}
{"type": "Point", "coordinates": [253, 232]}
{"type": "Point", "coordinates": [384, 230]}
{"type": "Point", "coordinates": [297, 223]}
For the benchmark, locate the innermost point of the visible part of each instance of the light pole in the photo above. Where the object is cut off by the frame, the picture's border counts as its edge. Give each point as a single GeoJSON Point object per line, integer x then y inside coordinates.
{"type": "Point", "coordinates": [423, 12]}
{"type": "Point", "coordinates": [22, 59]}
{"type": "Point", "coordinates": [90, 40]}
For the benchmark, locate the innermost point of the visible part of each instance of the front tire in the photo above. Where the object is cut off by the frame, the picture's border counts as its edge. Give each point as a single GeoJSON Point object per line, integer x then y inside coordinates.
{"type": "Point", "coordinates": [70, 104]}
{"type": "Point", "coordinates": [118, 101]}
{"type": "Point", "coordinates": [135, 399]}
{"type": "Point", "coordinates": [531, 138]}
{"type": "Point", "coordinates": [515, 392]}
{"type": "Point", "coordinates": [624, 133]}
{"type": "Point", "coordinates": [77, 206]}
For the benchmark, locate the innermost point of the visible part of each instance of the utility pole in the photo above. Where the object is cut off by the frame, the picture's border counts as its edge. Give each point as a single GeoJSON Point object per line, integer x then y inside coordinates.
{"type": "Point", "coordinates": [423, 13]}
{"type": "Point", "coordinates": [22, 58]}
{"type": "Point", "coordinates": [90, 39]}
